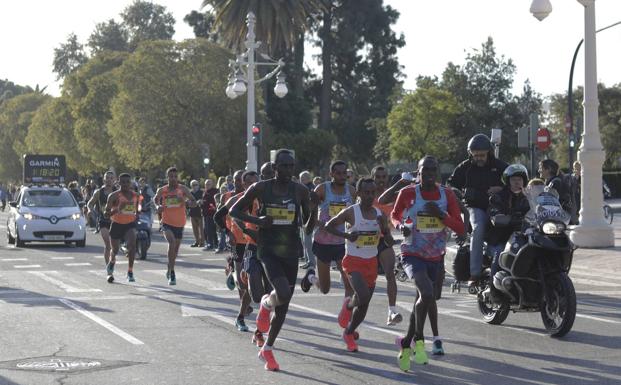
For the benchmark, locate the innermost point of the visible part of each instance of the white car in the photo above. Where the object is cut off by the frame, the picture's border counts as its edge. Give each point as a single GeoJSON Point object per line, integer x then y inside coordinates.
{"type": "Point", "coordinates": [45, 214]}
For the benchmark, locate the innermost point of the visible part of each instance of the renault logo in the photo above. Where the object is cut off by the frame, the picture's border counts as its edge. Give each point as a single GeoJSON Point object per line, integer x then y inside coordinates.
{"type": "Point", "coordinates": [53, 219]}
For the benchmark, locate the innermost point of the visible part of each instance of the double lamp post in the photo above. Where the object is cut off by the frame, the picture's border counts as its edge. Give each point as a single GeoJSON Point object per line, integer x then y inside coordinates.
{"type": "Point", "coordinates": [592, 231]}
{"type": "Point", "coordinates": [242, 80]}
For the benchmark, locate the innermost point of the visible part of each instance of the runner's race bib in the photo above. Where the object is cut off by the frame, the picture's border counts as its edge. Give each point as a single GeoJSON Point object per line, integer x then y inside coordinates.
{"type": "Point", "coordinates": [172, 201]}
{"type": "Point", "coordinates": [426, 223]}
{"type": "Point", "coordinates": [281, 214]}
{"type": "Point", "coordinates": [129, 208]}
{"type": "Point", "coordinates": [367, 239]}
{"type": "Point", "coordinates": [335, 208]}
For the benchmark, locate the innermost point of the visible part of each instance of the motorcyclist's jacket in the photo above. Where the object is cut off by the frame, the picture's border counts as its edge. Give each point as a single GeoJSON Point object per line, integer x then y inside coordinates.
{"type": "Point", "coordinates": [506, 202]}
{"type": "Point", "coordinates": [474, 181]}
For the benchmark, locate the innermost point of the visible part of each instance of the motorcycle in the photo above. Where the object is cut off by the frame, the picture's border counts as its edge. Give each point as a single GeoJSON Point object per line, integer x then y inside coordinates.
{"type": "Point", "coordinates": [143, 234]}
{"type": "Point", "coordinates": [533, 271]}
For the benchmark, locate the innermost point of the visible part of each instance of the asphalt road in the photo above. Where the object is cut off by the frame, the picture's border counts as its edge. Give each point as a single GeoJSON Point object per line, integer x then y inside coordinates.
{"type": "Point", "coordinates": [62, 323]}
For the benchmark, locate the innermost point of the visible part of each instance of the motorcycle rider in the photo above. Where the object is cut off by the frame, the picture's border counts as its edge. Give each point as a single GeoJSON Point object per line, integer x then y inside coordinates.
{"type": "Point", "coordinates": [507, 210]}
{"type": "Point", "coordinates": [478, 177]}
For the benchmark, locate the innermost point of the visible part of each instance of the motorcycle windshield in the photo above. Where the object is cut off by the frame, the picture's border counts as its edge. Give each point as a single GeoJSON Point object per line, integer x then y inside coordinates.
{"type": "Point", "coordinates": [548, 208]}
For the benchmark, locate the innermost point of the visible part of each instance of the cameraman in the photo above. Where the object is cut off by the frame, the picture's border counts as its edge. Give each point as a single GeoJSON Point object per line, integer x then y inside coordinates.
{"type": "Point", "coordinates": [478, 177]}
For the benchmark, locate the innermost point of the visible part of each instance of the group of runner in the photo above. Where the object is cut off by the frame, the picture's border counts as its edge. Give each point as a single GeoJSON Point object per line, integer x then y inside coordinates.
{"type": "Point", "coordinates": [265, 217]}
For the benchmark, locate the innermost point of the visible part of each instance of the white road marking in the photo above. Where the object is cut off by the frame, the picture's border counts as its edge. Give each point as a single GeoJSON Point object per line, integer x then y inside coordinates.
{"type": "Point", "coordinates": [594, 282]}
{"type": "Point", "coordinates": [597, 318]}
{"type": "Point", "coordinates": [26, 266]}
{"type": "Point", "coordinates": [78, 264]}
{"type": "Point", "coordinates": [46, 276]}
{"type": "Point", "coordinates": [62, 258]}
{"type": "Point", "coordinates": [127, 337]}
{"type": "Point", "coordinates": [188, 254]}
{"type": "Point", "coordinates": [12, 259]}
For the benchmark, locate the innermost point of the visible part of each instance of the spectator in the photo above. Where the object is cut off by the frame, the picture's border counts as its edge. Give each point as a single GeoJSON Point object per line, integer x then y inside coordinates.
{"type": "Point", "coordinates": [317, 181]}
{"type": "Point", "coordinates": [209, 209]}
{"type": "Point", "coordinates": [75, 191]}
{"type": "Point", "coordinates": [196, 215]}
{"type": "Point", "coordinates": [307, 239]}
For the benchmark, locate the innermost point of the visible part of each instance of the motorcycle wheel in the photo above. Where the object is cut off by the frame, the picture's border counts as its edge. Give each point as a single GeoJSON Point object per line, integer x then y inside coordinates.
{"type": "Point", "coordinates": [142, 249]}
{"type": "Point", "coordinates": [492, 315]}
{"type": "Point", "coordinates": [559, 312]}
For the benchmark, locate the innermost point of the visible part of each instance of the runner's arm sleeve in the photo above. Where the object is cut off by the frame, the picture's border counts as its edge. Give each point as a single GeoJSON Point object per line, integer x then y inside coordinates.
{"type": "Point", "coordinates": [453, 216]}
{"type": "Point", "coordinates": [401, 204]}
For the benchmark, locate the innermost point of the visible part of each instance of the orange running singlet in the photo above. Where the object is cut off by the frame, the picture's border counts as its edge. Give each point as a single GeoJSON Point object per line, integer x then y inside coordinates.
{"type": "Point", "coordinates": [128, 213]}
{"type": "Point", "coordinates": [174, 207]}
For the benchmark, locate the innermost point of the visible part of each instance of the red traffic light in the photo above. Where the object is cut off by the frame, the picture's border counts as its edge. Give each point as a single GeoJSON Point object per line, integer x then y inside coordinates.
{"type": "Point", "coordinates": [256, 130]}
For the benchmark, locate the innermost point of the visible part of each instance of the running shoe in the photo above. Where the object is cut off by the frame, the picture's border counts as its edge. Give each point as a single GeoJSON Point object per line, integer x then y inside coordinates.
{"type": "Point", "coordinates": [404, 359]}
{"type": "Point", "coordinates": [267, 356]}
{"type": "Point", "coordinates": [393, 318]}
{"type": "Point", "coordinates": [230, 281]}
{"type": "Point", "coordinates": [130, 276]}
{"type": "Point", "coordinates": [110, 268]}
{"type": "Point", "coordinates": [110, 278]}
{"type": "Point", "coordinates": [350, 341]}
{"type": "Point", "coordinates": [257, 339]}
{"type": "Point", "coordinates": [195, 244]}
{"type": "Point", "coordinates": [344, 314]}
{"type": "Point", "coordinates": [305, 283]}
{"type": "Point", "coordinates": [172, 278]}
{"type": "Point", "coordinates": [356, 335]}
{"type": "Point", "coordinates": [263, 317]}
{"type": "Point", "coordinates": [420, 356]}
{"type": "Point", "coordinates": [437, 349]}
{"type": "Point", "coordinates": [241, 325]}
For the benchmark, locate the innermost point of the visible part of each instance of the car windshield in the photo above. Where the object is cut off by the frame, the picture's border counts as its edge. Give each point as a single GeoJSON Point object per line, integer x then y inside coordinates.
{"type": "Point", "coordinates": [48, 198]}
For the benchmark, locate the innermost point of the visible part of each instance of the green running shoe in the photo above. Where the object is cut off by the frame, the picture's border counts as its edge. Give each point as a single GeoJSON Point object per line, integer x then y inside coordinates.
{"type": "Point", "coordinates": [420, 357]}
{"type": "Point", "coordinates": [404, 359]}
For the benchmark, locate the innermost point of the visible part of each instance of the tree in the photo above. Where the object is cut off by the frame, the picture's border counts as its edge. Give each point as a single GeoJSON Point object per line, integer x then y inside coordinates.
{"type": "Point", "coordinates": [9, 89]}
{"type": "Point", "coordinates": [144, 21]}
{"type": "Point", "coordinates": [15, 117]}
{"type": "Point", "coordinates": [68, 57]}
{"type": "Point", "coordinates": [421, 124]}
{"type": "Point", "coordinates": [108, 35]}
{"type": "Point", "coordinates": [202, 24]}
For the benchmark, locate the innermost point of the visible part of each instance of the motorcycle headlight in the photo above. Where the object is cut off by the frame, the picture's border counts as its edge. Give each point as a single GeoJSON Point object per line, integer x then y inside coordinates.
{"type": "Point", "coordinates": [76, 216]}
{"type": "Point", "coordinates": [550, 228]}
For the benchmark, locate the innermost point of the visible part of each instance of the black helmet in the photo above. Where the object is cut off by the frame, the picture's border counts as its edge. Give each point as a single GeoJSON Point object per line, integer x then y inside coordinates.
{"type": "Point", "coordinates": [479, 142]}
{"type": "Point", "coordinates": [515, 169]}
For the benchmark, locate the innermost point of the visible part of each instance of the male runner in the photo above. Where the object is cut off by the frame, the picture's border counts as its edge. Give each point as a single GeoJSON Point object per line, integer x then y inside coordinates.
{"type": "Point", "coordinates": [97, 203]}
{"type": "Point", "coordinates": [385, 253]}
{"type": "Point", "coordinates": [174, 198]}
{"type": "Point", "coordinates": [239, 241]}
{"type": "Point", "coordinates": [365, 224]}
{"type": "Point", "coordinates": [122, 209]}
{"type": "Point", "coordinates": [238, 188]}
{"type": "Point", "coordinates": [283, 206]}
{"type": "Point", "coordinates": [333, 196]}
{"type": "Point", "coordinates": [422, 212]}
{"type": "Point", "coordinates": [267, 171]}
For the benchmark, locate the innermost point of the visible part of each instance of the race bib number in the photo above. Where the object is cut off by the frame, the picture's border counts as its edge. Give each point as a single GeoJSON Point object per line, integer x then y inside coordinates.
{"type": "Point", "coordinates": [172, 201]}
{"type": "Point", "coordinates": [129, 208]}
{"type": "Point", "coordinates": [281, 215]}
{"type": "Point", "coordinates": [426, 223]}
{"type": "Point", "coordinates": [367, 239]}
{"type": "Point", "coordinates": [335, 208]}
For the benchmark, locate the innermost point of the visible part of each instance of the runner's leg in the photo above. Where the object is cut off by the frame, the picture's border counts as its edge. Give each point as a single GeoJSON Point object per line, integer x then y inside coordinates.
{"type": "Point", "coordinates": [105, 236]}
{"type": "Point", "coordinates": [359, 302]}
{"type": "Point", "coordinates": [130, 243]}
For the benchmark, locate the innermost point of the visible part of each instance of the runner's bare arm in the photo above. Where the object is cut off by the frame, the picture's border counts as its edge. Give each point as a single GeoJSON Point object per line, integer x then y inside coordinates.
{"type": "Point", "coordinates": [346, 215]}
{"type": "Point", "coordinates": [110, 203]}
{"type": "Point", "coordinates": [308, 217]}
{"type": "Point", "coordinates": [240, 209]}
{"type": "Point", "coordinates": [390, 195]}
{"type": "Point", "coordinates": [91, 203]}
{"type": "Point", "coordinates": [189, 196]}
{"type": "Point", "coordinates": [385, 229]}
{"type": "Point", "coordinates": [156, 199]}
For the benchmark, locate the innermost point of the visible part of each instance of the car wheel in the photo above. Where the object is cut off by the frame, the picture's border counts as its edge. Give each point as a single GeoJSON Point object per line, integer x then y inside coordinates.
{"type": "Point", "coordinates": [81, 243]}
{"type": "Point", "coordinates": [10, 239]}
{"type": "Point", "coordinates": [19, 242]}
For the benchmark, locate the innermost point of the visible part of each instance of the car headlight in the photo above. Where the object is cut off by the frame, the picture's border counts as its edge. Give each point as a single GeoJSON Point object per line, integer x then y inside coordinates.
{"type": "Point", "coordinates": [552, 228]}
{"type": "Point", "coordinates": [30, 216]}
{"type": "Point", "coordinates": [76, 216]}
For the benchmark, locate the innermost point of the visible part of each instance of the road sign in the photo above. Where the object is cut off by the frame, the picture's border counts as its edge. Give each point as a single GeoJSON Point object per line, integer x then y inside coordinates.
{"type": "Point", "coordinates": [543, 139]}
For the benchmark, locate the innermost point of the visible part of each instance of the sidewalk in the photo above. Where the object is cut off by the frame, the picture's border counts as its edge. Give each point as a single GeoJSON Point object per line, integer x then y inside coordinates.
{"type": "Point", "coordinates": [608, 259]}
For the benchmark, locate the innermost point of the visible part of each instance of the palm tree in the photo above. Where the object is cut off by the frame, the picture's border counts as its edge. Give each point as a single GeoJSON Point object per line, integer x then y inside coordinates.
{"type": "Point", "coordinates": [279, 23]}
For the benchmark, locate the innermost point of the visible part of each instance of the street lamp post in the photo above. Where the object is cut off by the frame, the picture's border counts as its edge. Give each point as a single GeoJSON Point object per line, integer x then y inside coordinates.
{"type": "Point", "coordinates": [242, 80]}
{"type": "Point", "coordinates": [592, 231]}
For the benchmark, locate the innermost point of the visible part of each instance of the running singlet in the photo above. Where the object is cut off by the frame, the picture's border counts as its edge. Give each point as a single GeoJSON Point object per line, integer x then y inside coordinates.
{"type": "Point", "coordinates": [103, 199]}
{"type": "Point", "coordinates": [282, 239]}
{"type": "Point", "coordinates": [174, 207]}
{"type": "Point", "coordinates": [238, 233]}
{"type": "Point", "coordinates": [368, 235]}
{"type": "Point", "coordinates": [329, 208]}
{"type": "Point", "coordinates": [128, 213]}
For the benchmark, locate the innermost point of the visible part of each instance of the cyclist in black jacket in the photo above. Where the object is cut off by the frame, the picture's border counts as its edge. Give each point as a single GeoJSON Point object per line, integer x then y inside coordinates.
{"type": "Point", "coordinates": [478, 177]}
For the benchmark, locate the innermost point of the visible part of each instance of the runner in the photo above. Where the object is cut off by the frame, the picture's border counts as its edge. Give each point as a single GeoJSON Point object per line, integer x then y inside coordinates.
{"type": "Point", "coordinates": [365, 224]}
{"type": "Point", "coordinates": [239, 241]}
{"type": "Point", "coordinates": [122, 209]}
{"type": "Point", "coordinates": [97, 204]}
{"type": "Point", "coordinates": [238, 188]}
{"type": "Point", "coordinates": [333, 196]}
{"type": "Point", "coordinates": [267, 171]}
{"type": "Point", "coordinates": [422, 212]}
{"type": "Point", "coordinates": [174, 198]}
{"type": "Point", "coordinates": [385, 253]}
{"type": "Point", "coordinates": [283, 206]}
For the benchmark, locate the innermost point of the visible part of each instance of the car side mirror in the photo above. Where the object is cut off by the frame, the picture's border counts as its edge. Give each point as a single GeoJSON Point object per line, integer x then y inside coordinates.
{"type": "Point", "coordinates": [13, 204]}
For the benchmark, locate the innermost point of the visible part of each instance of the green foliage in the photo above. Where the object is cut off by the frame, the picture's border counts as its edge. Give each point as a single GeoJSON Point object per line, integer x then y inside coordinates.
{"type": "Point", "coordinates": [9, 89]}
{"type": "Point", "coordinates": [202, 24]}
{"type": "Point", "coordinates": [421, 124]}
{"type": "Point", "coordinates": [110, 36]}
{"type": "Point", "coordinates": [68, 57]}
{"type": "Point", "coordinates": [311, 148]}
{"type": "Point", "coordinates": [146, 21]}
{"type": "Point", "coordinates": [15, 117]}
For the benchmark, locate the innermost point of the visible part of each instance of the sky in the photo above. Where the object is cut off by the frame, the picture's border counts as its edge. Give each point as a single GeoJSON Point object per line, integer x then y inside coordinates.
{"type": "Point", "coordinates": [436, 32]}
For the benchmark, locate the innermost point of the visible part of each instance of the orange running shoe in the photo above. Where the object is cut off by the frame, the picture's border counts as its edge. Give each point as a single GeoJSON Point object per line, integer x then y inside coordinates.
{"type": "Point", "coordinates": [257, 339]}
{"type": "Point", "coordinates": [263, 317]}
{"type": "Point", "coordinates": [267, 356]}
{"type": "Point", "coordinates": [350, 342]}
{"type": "Point", "coordinates": [344, 314]}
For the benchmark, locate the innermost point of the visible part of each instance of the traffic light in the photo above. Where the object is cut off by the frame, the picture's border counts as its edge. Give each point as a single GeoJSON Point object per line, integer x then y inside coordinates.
{"type": "Point", "coordinates": [256, 135]}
